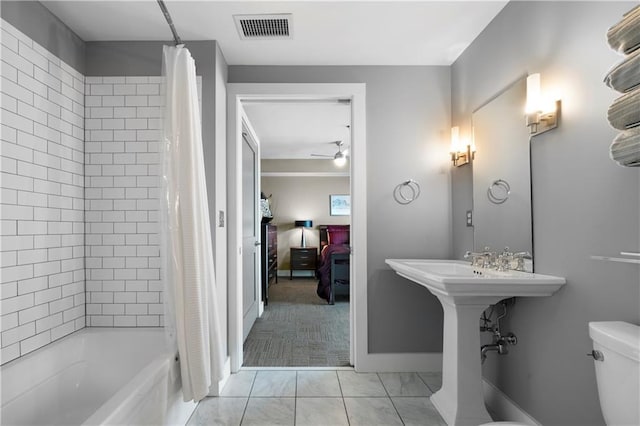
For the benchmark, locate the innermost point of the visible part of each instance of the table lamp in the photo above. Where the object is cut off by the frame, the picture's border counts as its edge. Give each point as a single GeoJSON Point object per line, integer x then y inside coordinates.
{"type": "Point", "coordinates": [303, 224]}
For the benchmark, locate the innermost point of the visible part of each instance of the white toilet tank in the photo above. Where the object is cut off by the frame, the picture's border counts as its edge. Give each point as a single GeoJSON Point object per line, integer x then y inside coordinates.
{"type": "Point", "coordinates": [618, 374]}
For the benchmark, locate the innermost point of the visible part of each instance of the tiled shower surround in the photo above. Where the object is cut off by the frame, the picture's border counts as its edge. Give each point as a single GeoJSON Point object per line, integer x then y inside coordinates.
{"type": "Point", "coordinates": [79, 211]}
{"type": "Point", "coordinates": [122, 133]}
{"type": "Point", "coordinates": [42, 194]}
{"type": "Point", "coordinates": [122, 122]}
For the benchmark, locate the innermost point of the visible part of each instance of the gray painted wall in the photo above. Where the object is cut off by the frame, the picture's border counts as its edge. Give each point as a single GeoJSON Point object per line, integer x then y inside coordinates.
{"type": "Point", "coordinates": [35, 20]}
{"type": "Point", "coordinates": [408, 111]}
{"type": "Point", "coordinates": [219, 175]}
{"type": "Point", "coordinates": [583, 203]}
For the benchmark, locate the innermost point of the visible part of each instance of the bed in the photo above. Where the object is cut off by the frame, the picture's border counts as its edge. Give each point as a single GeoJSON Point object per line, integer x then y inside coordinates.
{"type": "Point", "coordinates": [333, 267]}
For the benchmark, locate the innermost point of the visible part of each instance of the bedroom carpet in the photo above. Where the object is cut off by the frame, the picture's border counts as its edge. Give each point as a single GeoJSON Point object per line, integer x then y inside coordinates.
{"type": "Point", "coordinates": [298, 329]}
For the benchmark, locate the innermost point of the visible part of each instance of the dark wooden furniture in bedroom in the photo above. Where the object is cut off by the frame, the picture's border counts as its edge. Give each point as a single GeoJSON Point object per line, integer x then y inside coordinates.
{"type": "Point", "coordinates": [304, 259]}
{"type": "Point", "coordinates": [269, 252]}
{"type": "Point", "coordinates": [339, 271]}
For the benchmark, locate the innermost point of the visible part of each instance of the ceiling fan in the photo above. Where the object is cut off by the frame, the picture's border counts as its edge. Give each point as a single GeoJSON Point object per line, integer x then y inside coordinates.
{"type": "Point", "coordinates": [339, 158]}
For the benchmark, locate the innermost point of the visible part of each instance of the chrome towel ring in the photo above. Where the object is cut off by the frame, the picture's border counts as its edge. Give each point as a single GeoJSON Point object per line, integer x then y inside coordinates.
{"type": "Point", "coordinates": [406, 192]}
{"type": "Point", "coordinates": [499, 191]}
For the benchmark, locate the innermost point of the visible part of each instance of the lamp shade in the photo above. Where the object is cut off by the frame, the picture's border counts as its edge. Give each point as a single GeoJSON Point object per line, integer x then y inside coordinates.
{"type": "Point", "coordinates": [303, 224]}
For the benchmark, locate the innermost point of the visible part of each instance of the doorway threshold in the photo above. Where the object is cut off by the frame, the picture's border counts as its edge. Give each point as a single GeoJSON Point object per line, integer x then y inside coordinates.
{"type": "Point", "coordinates": [321, 368]}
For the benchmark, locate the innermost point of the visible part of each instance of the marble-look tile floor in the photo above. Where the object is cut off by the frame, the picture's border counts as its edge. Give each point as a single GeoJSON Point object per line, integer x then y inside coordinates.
{"type": "Point", "coordinates": [322, 398]}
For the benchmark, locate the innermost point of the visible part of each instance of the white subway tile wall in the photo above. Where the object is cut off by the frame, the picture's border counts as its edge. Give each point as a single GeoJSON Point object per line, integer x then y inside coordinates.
{"type": "Point", "coordinates": [79, 217]}
{"type": "Point", "coordinates": [122, 243]}
{"type": "Point", "coordinates": [123, 122]}
{"type": "Point", "coordinates": [42, 279]}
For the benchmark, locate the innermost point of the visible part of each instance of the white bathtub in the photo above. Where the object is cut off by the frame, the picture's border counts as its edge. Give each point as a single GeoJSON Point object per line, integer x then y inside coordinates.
{"type": "Point", "coordinates": [96, 376]}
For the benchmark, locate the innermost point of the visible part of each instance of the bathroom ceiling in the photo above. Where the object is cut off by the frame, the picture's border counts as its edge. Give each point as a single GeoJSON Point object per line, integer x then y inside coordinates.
{"type": "Point", "coordinates": [324, 33]}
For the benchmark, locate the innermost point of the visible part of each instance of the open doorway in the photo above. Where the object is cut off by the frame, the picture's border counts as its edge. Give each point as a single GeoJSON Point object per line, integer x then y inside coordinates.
{"type": "Point", "coordinates": [353, 94]}
{"type": "Point", "coordinates": [305, 244]}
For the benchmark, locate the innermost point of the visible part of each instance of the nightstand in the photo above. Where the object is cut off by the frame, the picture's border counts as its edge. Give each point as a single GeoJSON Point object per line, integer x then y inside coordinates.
{"type": "Point", "coordinates": [303, 258]}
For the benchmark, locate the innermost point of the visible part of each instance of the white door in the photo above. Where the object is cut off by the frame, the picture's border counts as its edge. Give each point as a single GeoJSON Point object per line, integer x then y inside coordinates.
{"type": "Point", "coordinates": [250, 231]}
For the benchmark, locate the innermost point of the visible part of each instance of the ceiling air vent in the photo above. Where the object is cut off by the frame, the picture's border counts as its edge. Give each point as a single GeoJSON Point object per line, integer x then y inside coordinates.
{"type": "Point", "coordinates": [263, 27]}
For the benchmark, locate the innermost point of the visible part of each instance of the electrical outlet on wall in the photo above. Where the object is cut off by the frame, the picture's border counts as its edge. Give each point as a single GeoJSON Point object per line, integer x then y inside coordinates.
{"type": "Point", "coordinates": [469, 217]}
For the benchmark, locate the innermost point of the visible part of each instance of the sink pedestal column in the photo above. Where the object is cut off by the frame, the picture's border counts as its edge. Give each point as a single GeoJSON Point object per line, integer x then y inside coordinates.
{"type": "Point", "coordinates": [460, 401]}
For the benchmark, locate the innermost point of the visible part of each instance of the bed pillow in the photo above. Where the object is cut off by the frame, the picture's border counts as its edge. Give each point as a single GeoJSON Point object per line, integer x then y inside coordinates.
{"type": "Point", "coordinates": [338, 234]}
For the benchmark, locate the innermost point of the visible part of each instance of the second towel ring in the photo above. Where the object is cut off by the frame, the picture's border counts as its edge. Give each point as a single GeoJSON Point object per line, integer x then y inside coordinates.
{"type": "Point", "coordinates": [499, 191]}
{"type": "Point", "coordinates": [406, 192]}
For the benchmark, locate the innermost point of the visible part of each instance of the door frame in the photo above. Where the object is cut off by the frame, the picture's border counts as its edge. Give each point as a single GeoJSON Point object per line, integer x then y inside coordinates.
{"type": "Point", "coordinates": [356, 93]}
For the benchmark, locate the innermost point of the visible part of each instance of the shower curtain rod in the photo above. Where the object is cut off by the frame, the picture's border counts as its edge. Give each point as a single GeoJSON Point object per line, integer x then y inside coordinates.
{"type": "Point", "coordinates": [167, 16]}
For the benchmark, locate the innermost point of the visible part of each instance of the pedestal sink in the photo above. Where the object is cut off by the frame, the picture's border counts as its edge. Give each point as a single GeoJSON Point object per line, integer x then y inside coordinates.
{"type": "Point", "coordinates": [465, 292]}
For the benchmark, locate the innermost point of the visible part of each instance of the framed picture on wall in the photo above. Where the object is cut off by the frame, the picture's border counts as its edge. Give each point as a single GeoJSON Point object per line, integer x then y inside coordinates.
{"type": "Point", "coordinates": [340, 205]}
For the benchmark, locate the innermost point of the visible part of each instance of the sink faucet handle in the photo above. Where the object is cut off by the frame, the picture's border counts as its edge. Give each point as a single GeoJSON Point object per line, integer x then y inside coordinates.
{"type": "Point", "coordinates": [523, 255]}
{"type": "Point", "coordinates": [476, 258]}
{"type": "Point", "coordinates": [519, 260]}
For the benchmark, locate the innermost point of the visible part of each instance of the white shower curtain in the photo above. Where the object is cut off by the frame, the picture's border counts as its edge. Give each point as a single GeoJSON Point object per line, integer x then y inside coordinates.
{"type": "Point", "coordinates": [191, 310]}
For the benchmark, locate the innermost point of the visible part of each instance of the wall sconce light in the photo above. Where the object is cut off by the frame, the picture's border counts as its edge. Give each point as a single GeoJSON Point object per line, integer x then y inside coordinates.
{"type": "Point", "coordinates": [541, 115]}
{"type": "Point", "coordinates": [462, 151]}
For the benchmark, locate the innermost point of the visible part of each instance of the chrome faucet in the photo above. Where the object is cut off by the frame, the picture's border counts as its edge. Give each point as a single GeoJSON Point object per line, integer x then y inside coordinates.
{"type": "Point", "coordinates": [489, 258]}
{"type": "Point", "coordinates": [500, 261]}
{"type": "Point", "coordinates": [504, 260]}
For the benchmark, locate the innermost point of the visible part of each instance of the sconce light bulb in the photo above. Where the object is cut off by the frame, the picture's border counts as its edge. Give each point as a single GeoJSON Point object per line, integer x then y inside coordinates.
{"type": "Point", "coordinates": [455, 139]}
{"type": "Point", "coordinates": [533, 94]}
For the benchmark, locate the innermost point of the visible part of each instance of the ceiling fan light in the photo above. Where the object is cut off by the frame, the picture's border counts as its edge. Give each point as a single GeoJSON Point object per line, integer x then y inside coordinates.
{"type": "Point", "coordinates": [340, 160]}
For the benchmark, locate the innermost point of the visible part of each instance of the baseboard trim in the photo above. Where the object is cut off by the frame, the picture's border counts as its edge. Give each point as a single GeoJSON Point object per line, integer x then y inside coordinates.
{"type": "Point", "coordinates": [399, 363]}
{"type": "Point", "coordinates": [503, 408]}
{"type": "Point", "coordinates": [216, 389]}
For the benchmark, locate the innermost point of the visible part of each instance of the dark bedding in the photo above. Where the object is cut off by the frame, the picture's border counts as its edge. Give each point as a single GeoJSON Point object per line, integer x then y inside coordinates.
{"type": "Point", "coordinates": [324, 268]}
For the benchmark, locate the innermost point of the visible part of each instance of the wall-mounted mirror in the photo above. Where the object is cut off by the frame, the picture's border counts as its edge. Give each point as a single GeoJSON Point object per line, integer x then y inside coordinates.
{"type": "Point", "coordinates": [502, 174]}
